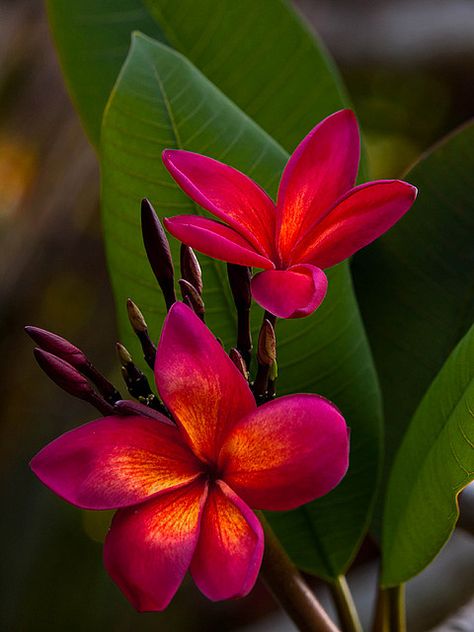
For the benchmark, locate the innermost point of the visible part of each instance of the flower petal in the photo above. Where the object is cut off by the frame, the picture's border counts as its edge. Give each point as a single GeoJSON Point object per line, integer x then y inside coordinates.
{"type": "Point", "coordinates": [322, 168]}
{"type": "Point", "coordinates": [149, 547]}
{"type": "Point", "coordinates": [364, 214]}
{"type": "Point", "coordinates": [198, 382]}
{"type": "Point", "coordinates": [215, 240]}
{"type": "Point", "coordinates": [230, 547]}
{"type": "Point", "coordinates": [115, 462]}
{"type": "Point", "coordinates": [286, 453]}
{"type": "Point", "coordinates": [227, 193]}
{"type": "Point", "coordinates": [291, 293]}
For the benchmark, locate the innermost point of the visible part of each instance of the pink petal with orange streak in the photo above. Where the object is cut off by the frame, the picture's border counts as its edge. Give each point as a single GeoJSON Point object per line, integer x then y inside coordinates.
{"type": "Point", "coordinates": [198, 382]}
{"type": "Point", "coordinates": [230, 547]}
{"type": "Point", "coordinates": [364, 214]}
{"type": "Point", "coordinates": [292, 293]}
{"type": "Point", "coordinates": [286, 453]}
{"type": "Point", "coordinates": [115, 462]}
{"type": "Point", "coordinates": [215, 240]}
{"type": "Point", "coordinates": [322, 168]}
{"type": "Point", "coordinates": [149, 547]}
{"type": "Point", "coordinates": [227, 193]}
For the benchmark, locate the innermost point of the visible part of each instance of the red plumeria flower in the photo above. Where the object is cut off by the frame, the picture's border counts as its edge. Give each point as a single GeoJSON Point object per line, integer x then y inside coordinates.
{"type": "Point", "coordinates": [183, 492]}
{"type": "Point", "coordinates": [319, 219]}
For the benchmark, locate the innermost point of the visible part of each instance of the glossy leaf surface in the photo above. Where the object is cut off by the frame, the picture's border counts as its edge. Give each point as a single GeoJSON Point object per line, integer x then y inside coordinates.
{"type": "Point", "coordinates": [415, 285]}
{"type": "Point", "coordinates": [434, 463]}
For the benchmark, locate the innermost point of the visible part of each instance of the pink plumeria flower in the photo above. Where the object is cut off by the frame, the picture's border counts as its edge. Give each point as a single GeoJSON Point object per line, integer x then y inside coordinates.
{"type": "Point", "coordinates": [184, 492]}
{"type": "Point", "coordinates": [319, 219]}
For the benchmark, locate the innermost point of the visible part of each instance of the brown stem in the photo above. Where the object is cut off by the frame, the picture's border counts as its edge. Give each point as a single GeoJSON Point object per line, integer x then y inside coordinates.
{"type": "Point", "coordinates": [239, 281]}
{"type": "Point", "coordinates": [345, 606]}
{"type": "Point", "coordinates": [289, 588]}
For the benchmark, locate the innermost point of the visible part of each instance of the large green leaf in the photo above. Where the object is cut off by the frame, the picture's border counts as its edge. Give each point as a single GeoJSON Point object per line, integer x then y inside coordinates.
{"type": "Point", "coordinates": [161, 100]}
{"type": "Point", "coordinates": [93, 38]}
{"type": "Point", "coordinates": [261, 55]}
{"type": "Point", "coordinates": [258, 53]}
{"type": "Point", "coordinates": [415, 284]}
{"type": "Point", "coordinates": [434, 463]}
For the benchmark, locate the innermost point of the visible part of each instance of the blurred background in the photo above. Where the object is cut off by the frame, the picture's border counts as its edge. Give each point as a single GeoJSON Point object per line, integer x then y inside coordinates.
{"type": "Point", "coordinates": [409, 69]}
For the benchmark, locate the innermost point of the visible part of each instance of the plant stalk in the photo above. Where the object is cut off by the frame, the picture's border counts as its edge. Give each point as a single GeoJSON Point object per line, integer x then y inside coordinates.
{"type": "Point", "coordinates": [390, 614]}
{"type": "Point", "coordinates": [289, 588]}
{"type": "Point", "coordinates": [345, 606]}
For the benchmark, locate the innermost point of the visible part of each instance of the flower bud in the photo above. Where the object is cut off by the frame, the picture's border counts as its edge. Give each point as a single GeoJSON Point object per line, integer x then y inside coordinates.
{"type": "Point", "coordinates": [238, 360]}
{"type": "Point", "coordinates": [266, 352]}
{"type": "Point", "coordinates": [130, 407]}
{"type": "Point", "coordinates": [58, 346]}
{"type": "Point", "coordinates": [192, 296]}
{"type": "Point", "coordinates": [158, 252]}
{"type": "Point", "coordinates": [136, 317]}
{"type": "Point", "coordinates": [140, 328]}
{"type": "Point", "coordinates": [190, 268]}
{"type": "Point", "coordinates": [70, 380]}
{"type": "Point", "coordinates": [62, 348]}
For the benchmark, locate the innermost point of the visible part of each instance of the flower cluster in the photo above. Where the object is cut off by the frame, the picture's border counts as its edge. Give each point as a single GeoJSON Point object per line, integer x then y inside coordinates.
{"type": "Point", "coordinates": [186, 466]}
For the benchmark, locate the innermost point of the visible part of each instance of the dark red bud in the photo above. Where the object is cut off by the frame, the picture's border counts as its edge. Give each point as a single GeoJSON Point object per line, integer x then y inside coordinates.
{"type": "Point", "coordinates": [60, 347]}
{"type": "Point", "coordinates": [158, 252]}
{"type": "Point", "coordinates": [238, 360]}
{"type": "Point", "coordinates": [70, 380]}
{"type": "Point", "coordinates": [192, 297]}
{"type": "Point", "coordinates": [190, 268]}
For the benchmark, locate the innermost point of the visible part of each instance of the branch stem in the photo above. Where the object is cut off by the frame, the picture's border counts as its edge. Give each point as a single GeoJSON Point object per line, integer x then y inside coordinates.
{"type": "Point", "coordinates": [345, 606]}
{"type": "Point", "coordinates": [289, 588]}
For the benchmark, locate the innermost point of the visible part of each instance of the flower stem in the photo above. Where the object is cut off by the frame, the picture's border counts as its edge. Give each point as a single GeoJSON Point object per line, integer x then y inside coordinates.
{"type": "Point", "coordinates": [346, 610]}
{"type": "Point", "coordinates": [289, 588]}
{"type": "Point", "coordinates": [390, 613]}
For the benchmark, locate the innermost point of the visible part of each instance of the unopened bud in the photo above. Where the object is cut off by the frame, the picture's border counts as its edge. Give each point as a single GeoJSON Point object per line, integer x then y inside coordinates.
{"type": "Point", "coordinates": [70, 380]}
{"type": "Point", "coordinates": [62, 348]}
{"type": "Point", "coordinates": [136, 317]}
{"type": "Point", "coordinates": [266, 352]}
{"type": "Point", "coordinates": [58, 346]}
{"type": "Point", "coordinates": [129, 407]}
{"type": "Point", "coordinates": [192, 297]}
{"type": "Point", "coordinates": [158, 252]}
{"type": "Point", "coordinates": [141, 329]}
{"type": "Point", "coordinates": [190, 268]}
{"type": "Point", "coordinates": [238, 360]}
{"type": "Point", "coordinates": [123, 354]}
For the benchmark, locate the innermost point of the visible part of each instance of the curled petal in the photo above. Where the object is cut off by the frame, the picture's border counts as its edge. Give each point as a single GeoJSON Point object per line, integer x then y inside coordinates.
{"type": "Point", "coordinates": [322, 168]}
{"type": "Point", "coordinates": [364, 214]}
{"type": "Point", "coordinates": [149, 547]}
{"type": "Point", "coordinates": [227, 193]}
{"type": "Point", "coordinates": [115, 462]}
{"type": "Point", "coordinates": [286, 453]}
{"type": "Point", "coordinates": [198, 382]}
{"type": "Point", "coordinates": [291, 293]}
{"type": "Point", "coordinates": [230, 548]}
{"type": "Point", "coordinates": [215, 240]}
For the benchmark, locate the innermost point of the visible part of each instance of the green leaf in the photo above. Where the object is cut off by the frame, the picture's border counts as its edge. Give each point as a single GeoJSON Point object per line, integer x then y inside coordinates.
{"type": "Point", "coordinates": [161, 100]}
{"type": "Point", "coordinates": [92, 38]}
{"type": "Point", "coordinates": [260, 54]}
{"type": "Point", "coordinates": [435, 462]}
{"type": "Point", "coordinates": [415, 285]}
